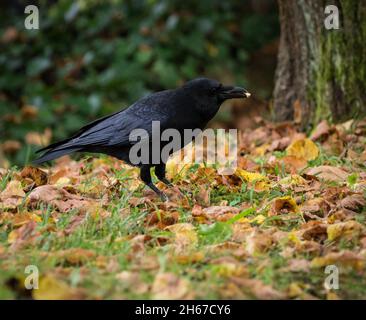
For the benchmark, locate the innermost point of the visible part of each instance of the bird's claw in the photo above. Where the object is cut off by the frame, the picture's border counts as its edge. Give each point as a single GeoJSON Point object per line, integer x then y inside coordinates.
{"type": "Point", "coordinates": [163, 197]}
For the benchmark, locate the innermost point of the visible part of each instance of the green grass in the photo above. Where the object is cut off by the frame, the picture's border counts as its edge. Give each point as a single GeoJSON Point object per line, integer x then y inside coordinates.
{"type": "Point", "coordinates": [110, 240]}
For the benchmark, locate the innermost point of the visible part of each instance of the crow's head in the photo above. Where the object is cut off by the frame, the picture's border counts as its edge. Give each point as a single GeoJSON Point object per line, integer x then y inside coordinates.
{"type": "Point", "coordinates": [211, 93]}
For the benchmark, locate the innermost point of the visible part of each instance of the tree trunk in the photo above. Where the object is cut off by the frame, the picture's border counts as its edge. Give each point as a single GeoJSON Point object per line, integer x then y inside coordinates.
{"type": "Point", "coordinates": [321, 74]}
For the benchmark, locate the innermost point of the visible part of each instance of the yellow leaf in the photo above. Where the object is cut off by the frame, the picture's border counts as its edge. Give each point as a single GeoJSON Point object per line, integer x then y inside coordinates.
{"type": "Point", "coordinates": [13, 236]}
{"type": "Point", "coordinates": [185, 236]}
{"type": "Point", "coordinates": [12, 196]}
{"type": "Point", "coordinates": [63, 181]}
{"type": "Point", "coordinates": [250, 176]}
{"type": "Point", "coordinates": [344, 229]}
{"type": "Point", "coordinates": [261, 181]}
{"type": "Point", "coordinates": [292, 180]}
{"type": "Point", "coordinates": [258, 219]}
{"type": "Point", "coordinates": [293, 238]}
{"type": "Point", "coordinates": [51, 288]}
{"type": "Point", "coordinates": [231, 269]}
{"type": "Point", "coordinates": [344, 258]}
{"type": "Point", "coordinates": [284, 204]}
{"type": "Point", "coordinates": [303, 148]}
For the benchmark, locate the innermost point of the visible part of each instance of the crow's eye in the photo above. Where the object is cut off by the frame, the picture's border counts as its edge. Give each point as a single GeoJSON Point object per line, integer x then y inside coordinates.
{"type": "Point", "coordinates": [215, 90]}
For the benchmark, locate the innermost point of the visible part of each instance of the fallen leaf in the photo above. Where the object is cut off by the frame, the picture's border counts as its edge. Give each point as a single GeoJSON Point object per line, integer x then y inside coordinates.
{"type": "Point", "coordinates": [258, 242]}
{"type": "Point", "coordinates": [37, 175]}
{"type": "Point", "coordinates": [51, 288]}
{"type": "Point", "coordinates": [185, 236]}
{"type": "Point", "coordinates": [38, 138]}
{"type": "Point", "coordinates": [220, 213]}
{"type": "Point", "coordinates": [354, 202]}
{"type": "Point", "coordinates": [328, 173]}
{"type": "Point", "coordinates": [343, 258]}
{"type": "Point", "coordinates": [293, 164]}
{"type": "Point", "coordinates": [229, 267]}
{"type": "Point", "coordinates": [303, 148]}
{"type": "Point", "coordinates": [321, 131]}
{"type": "Point", "coordinates": [168, 286]}
{"type": "Point", "coordinates": [283, 205]}
{"type": "Point", "coordinates": [58, 197]}
{"type": "Point", "coordinates": [297, 265]}
{"type": "Point", "coordinates": [258, 289]}
{"type": "Point", "coordinates": [11, 146]}
{"type": "Point", "coordinates": [260, 181]}
{"type": "Point", "coordinates": [349, 229]}
{"type": "Point", "coordinates": [74, 256]}
{"type": "Point", "coordinates": [12, 196]}
{"type": "Point", "coordinates": [132, 281]}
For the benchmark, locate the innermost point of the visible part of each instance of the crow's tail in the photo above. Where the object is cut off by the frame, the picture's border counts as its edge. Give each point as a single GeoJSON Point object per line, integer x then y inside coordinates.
{"type": "Point", "coordinates": [55, 153]}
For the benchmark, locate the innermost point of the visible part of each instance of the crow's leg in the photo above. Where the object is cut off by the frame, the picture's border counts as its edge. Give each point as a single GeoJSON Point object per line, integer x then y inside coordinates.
{"type": "Point", "coordinates": [160, 173]}
{"type": "Point", "coordinates": [145, 176]}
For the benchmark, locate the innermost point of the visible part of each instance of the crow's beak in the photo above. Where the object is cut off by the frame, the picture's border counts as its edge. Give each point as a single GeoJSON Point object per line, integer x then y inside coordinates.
{"type": "Point", "coordinates": [234, 92]}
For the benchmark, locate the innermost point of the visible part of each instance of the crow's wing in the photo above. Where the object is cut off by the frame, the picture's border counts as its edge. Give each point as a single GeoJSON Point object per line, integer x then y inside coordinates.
{"type": "Point", "coordinates": [115, 129]}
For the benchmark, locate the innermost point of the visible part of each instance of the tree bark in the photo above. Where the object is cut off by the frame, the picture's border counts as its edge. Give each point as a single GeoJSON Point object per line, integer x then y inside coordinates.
{"type": "Point", "coordinates": [321, 74]}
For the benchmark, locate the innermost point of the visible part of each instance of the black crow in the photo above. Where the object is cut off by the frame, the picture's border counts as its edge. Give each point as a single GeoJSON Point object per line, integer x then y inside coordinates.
{"type": "Point", "coordinates": [191, 106]}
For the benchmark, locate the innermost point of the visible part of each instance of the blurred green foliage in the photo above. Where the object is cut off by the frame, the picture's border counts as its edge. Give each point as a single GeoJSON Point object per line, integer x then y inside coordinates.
{"type": "Point", "coordinates": [93, 57]}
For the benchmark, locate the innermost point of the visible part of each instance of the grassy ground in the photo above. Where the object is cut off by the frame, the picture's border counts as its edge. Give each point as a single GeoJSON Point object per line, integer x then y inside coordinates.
{"type": "Point", "coordinates": [269, 231]}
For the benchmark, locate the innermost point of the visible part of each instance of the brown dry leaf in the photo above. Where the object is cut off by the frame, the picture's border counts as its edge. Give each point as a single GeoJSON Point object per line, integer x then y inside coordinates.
{"type": "Point", "coordinates": [228, 266]}
{"type": "Point", "coordinates": [316, 206]}
{"type": "Point", "coordinates": [354, 202]}
{"type": "Point", "coordinates": [20, 219]}
{"type": "Point", "coordinates": [12, 196]}
{"type": "Point", "coordinates": [225, 247]}
{"type": "Point", "coordinates": [23, 236]}
{"type": "Point", "coordinates": [168, 286]}
{"type": "Point", "coordinates": [162, 218]}
{"type": "Point", "coordinates": [220, 213]}
{"type": "Point", "coordinates": [37, 175]}
{"type": "Point", "coordinates": [283, 205]}
{"type": "Point", "coordinates": [321, 131]}
{"type": "Point", "coordinates": [344, 258]}
{"type": "Point", "coordinates": [349, 229]}
{"type": "Point", "coordinates": [328, 173]}
{"type": "Point", "coordinates": [258, 242]}
{"type": "Point", "coordinates": [313, 230]}
{"type": "Point", "coordinates": [132, 281]}
{"type": "Point", "coordinates": [185, 236]}
{"type": "Point", "coordinates": [192, 257]}
{"type": "Point", "coordinates": [308, 247]}
{"type": "Point", "coordinates": [29, 112]}
{"type": "Point", "coordinates": [297, 265]}
{"type": "Point", "coordinates": [75, 222]}
{"type": "Point", "coordinates": [54, 177]}
{"type": "Point", "coordinates": [303, 148]}
{"type": "Point", "coordinates": [203, 196]}
{"type": "Point", "coordinates": [333, 145]}
{"type": "Point", "coordinates": [11, 146]}
{"type": "Point", "coordinates": [10, 34]}
{"type": "Point", "coordinates": [74, 256]}
{"type": "Point", "coordinates": [258, 289]}
{"type": "Point", "coordinates": [280, 144]}
{"type": "Point", "coordinates": [294, 164]}
{"type": "Point", "coordinates": [58, 197]}
{"type": "Point", "coordinates": [51, 288]}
